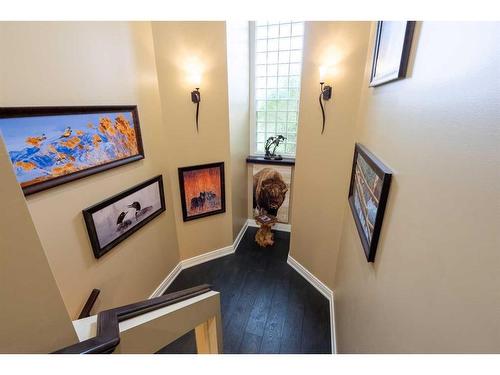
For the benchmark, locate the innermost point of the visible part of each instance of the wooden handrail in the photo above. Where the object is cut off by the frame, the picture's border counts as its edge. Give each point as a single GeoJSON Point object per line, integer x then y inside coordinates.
{"type": "Point", "coordinates": [89, 304]}
{"type": "Point", "coordinates": [108, 333]}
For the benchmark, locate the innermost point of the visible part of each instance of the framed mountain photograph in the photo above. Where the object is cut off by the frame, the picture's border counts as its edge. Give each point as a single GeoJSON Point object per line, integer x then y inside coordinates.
{"type": "Point", "coordinates": [391, 51]}
{"type": "Point", "coordinates": [49, 146]}
{"type": "Point", "coordinates": [202, 190]}
{"type": "Point", "coordinates": [114, 219]}
{"type": "Point", "coordinates": [368, 192]}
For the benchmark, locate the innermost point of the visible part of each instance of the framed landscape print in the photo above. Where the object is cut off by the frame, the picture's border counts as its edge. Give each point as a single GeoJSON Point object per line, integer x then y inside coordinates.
{"type": "Point", "coordinates": [49, 146]}
{"type": "Point", "coordinates": [368, 191]}
{"type": "Point", "coordinates": [202, 190]}
{"type": "Point", "coordinates": [391, 51]}
{"type": "Point", "coordinates": [114, 219]}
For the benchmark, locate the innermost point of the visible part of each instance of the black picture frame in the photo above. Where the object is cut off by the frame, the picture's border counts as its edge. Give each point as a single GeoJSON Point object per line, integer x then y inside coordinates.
{"type": "Point", "coordinates": [90, 211]}
{"type": "Point", "coordinates": [378, 195]}
{"type": "Point", "coordinates": [25, 112]}
{"type": "Point", "coordinates": [400, 68]}
{"type": "Point", "coordinates": [185, 214]}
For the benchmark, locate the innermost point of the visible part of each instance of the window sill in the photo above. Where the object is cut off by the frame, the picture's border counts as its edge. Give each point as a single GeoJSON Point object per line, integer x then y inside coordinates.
{"type": "Point", "coordinates": [260, 160]}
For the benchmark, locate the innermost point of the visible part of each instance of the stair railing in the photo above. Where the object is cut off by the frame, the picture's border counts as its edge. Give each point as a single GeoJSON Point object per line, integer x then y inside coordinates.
{"type": "Point", "coordinates": [147, 326]}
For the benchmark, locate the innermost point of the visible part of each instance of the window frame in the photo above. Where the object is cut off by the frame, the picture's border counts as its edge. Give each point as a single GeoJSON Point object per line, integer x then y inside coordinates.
{"type": "Point", "coordinates": [253, 102]}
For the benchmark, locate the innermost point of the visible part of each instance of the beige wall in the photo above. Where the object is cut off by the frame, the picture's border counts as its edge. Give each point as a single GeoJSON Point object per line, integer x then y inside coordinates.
{"type": "Point", "coordinates": [182, 47]}
{"type": "Point", "coordinates": [238, 72]}
{"type": "Point", "coordinates": [32, 308]}
{"type": "Point", "coordinates": [322, 167]}
{"type": "Point", "coordinates": [434, 286]}
{"type": "Point", "coordinates": [93, 64]}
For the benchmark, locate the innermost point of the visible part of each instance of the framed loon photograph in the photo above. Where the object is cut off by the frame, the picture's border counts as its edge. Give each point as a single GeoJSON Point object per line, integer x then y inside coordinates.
{"type": "Point", "coordinates": [49, 146]}
{"type": "Point", "coordinates": [113, 220]}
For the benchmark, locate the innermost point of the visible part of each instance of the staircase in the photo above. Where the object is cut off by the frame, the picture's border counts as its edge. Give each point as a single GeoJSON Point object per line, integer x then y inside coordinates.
{"type": "Point", "coordinates": [147, 326]}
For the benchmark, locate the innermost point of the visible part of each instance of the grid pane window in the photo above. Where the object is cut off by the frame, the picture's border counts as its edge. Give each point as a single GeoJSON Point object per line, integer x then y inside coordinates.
{"type": "Point", "coordinates": [278, 67]}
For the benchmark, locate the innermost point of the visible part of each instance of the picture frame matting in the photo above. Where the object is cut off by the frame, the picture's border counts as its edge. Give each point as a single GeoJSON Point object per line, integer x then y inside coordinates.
{"type": "Point", "coordinates": [129, 211]}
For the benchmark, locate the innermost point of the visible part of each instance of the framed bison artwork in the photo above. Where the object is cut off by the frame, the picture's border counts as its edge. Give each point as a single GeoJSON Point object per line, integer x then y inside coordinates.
{"type": "Point", "coordinates": [202, 190]}
{"type": "Point", "coordinates": [368, 192]}
{"type": "Point", "coordinates": [271, 190]}
{"type": "Point", "coordinates": [114, 219]}
{"type": "Point", "coordinates": [49, 146]}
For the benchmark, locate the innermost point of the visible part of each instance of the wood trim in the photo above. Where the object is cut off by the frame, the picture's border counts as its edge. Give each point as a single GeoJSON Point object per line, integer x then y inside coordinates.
{"type": "Point", "coordinates": [89, 304]}
{"type": "Point", "coordinates": [261, 160]}
{"type": "Point", "coordinates": [167, 281]}
{"type": "Point", "coordinates": [323, 289]}
{"type": "Point", "coordinates": [150, 332]}
{"type": "Point", "coordinates": [206, 337]}
{"type": "Point", "coordinates": [108, 333]}
{"type": "Point", "coordinates": [205, 257]}
{"type": "Point", "coordinates": [240, 235]}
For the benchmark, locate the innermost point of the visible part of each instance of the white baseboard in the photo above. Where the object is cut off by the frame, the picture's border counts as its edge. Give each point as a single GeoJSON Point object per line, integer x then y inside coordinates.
{"type": "Point", "coordinates": [240, 235]}
{"type": "Point", "coordinates": [194, 261]}
{"type": "Point", "coordinates": [278, 226]}
{"type": "Point", "coordinates": [186, 263]}
{"type": "Point", "coordinates": [167, 281]}
{"type": "Point", "coordinates": [322, 288]}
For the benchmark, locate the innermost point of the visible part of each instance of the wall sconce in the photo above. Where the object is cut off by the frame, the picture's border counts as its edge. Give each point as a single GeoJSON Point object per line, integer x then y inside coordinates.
{"type": "Point", "coordinates": [326, 94]}
{"type": "Point", "coordinates": [194, 71]}
{"type": "Point", "coordinates": [196, 98]}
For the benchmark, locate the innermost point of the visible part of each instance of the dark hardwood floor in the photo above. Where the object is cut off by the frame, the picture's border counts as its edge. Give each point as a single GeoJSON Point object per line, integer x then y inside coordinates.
{"type": "Point", "coordinates": [266, 306]}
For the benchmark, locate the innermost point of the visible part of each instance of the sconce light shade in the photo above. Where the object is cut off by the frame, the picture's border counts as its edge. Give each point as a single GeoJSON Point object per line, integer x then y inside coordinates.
{"type": "Point", "coordinates": [322, 73]}
{"type": "Point", "coordinates": [193, 67]}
